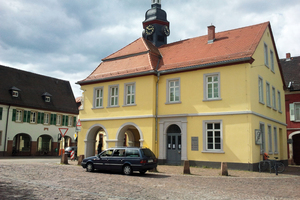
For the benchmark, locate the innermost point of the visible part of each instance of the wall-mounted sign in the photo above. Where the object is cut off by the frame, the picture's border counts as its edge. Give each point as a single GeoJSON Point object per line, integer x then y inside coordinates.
{"type": "Point", "coordinates": [258, 137]}
{"type": "Point", "coordinates": [194, 143]}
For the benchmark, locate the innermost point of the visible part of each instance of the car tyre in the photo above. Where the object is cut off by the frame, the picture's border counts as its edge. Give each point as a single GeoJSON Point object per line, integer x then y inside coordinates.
{"type": "Point", "coordinates": [127, 170]}
{"type": "Point", "coordinates": [90, 167]}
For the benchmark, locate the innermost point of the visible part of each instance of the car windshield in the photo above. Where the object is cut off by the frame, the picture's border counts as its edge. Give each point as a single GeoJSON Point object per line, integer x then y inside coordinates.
{"type": "Point", "coordinates": [148, 153]}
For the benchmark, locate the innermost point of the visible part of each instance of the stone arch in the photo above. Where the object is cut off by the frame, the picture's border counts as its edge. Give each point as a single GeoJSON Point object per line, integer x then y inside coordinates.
{"type": "Point", "coordinates": [44, 144]}
{"type": "Point", "coordinates": [90, 139]}
{"type": "Point", "coordinates": [129, 129]}
{"type": "Point", "coordinates": [291, 145]}
{"type": "Point", "coordinates": [22, 144]}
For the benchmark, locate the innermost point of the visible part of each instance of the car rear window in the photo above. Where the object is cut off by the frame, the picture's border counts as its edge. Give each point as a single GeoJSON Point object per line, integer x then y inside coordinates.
{"type": "Point", "coordinates": [132, 153]}
{"type": "Point", "coordinates": [148, 153]}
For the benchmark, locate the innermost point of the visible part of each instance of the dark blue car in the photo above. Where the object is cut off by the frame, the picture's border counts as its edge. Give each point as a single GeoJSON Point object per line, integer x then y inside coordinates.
{"type": "Point", "coordinates": [122, 159]}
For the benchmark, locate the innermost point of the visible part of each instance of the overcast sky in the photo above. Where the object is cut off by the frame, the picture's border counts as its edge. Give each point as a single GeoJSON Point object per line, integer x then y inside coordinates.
{"type": "Point", "coordinates": [67, 39]}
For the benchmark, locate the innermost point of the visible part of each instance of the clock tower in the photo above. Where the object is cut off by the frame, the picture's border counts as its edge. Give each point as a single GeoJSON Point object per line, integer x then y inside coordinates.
{"type": "Point", "coordinates": [156, 25]}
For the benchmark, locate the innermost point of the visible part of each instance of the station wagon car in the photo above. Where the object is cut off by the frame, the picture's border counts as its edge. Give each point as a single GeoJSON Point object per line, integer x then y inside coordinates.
{"type": "Point", "coordinates": [122, 159]}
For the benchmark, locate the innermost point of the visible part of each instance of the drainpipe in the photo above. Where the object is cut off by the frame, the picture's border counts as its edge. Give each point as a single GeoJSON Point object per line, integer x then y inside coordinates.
{"type": "Point", "coordinates": [156, 105]}
{"type": "Point", "coordinates": [5, 138]}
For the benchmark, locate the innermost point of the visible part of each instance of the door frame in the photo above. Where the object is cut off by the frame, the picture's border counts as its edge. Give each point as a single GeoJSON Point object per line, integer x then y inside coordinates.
{"type": "Point", "coordinates": [164, 123]}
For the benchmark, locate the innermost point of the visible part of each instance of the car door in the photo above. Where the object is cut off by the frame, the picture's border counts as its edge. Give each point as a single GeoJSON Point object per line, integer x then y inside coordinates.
{"type": "Point", "coordinates": [101, 161]}
{"type": "Point", "coordinates": [116, 161]}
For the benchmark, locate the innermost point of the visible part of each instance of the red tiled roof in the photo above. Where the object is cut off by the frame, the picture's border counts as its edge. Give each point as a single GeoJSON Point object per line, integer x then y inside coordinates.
{"type": "Point", "coordinates": [142, 56]}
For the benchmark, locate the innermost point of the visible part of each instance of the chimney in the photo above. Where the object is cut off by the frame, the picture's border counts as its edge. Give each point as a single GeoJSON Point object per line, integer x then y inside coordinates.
{"type": "Point", "coordinates": [288, 56]}
{"type": "Point", "coordinates": [211, 34]}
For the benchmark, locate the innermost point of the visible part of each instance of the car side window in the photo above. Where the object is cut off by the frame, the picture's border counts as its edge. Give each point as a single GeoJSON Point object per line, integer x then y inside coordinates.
{"type": "Point", "coordinates": [132, 153]}
{"type": "Point", "coordinates": [119, 152]}
{"type": "Point", "coordinates": [107, 153]}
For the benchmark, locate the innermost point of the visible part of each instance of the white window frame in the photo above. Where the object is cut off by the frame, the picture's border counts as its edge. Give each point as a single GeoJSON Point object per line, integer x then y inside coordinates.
{"type": "Point", "coordinates": [274, 98]}
{"type": "Point", "coordinates": [98, 99]}
{"type": "Point", "coordinates": [33, 117]}
{"type": "Point", "coordinates": [47, 99]}
{"type": "Point", "coordinates": [205, 136]}
{"type": "Point", "coordinates": [129, 94]}
{"type": "Point", "coordinates": [114, 96]}
{"type": "Point", "coordinates": [263, 143]}
{"type": "Point", "coordinates": [70, 121]}
{"type": "Point", "coordinates": [15, 93]}
{"type": "Point", "coordinates": [270, 146]}
{"type": "Point", "coordinates": [172, 89]}
{"type": "Point", "coordinates": [266, 56]}
{"type": "Point", "coordinates": [46, 118]}
{"type": "Point", "coordinates": [268, 94]}
{"type": "Point", "coordinates": [279, 101]}
{"type": "Point", "coordinates": [275, 140]}
{"type": "Point", "coordinates": [19, 115]}
{"type": "Point", "coordinates": [206, 84]}
{"type": "Point", "coordinates": [58, 119]}
{"type": "Point", "coordinates": [272, 61]}
{"type": "Point", "coordinates": [261, 90]}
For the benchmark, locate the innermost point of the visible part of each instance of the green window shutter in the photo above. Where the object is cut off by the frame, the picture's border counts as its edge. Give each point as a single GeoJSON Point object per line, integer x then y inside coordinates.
{"type": "Point", "coordinates": [14, 115]}
{"type": "Point", "coordinates": [42, 118]}
{"type": "Point", "coordinates": [74, 121]}
{"type": "Point", "coordinates": [28, 116]}
{"type": "Point", "coordinates": [25, 116]}
{"type": "Point", "coordinates": [67, 120]}
{"type": "Point", "coordinates": [51, 119]}
{"type": "Point", "coordinates": [54, 117]}
{"type": "Point", "coordinates": [63, 120]}
{"type": "Point", "coordinates": [1, 110]}
{"type": "Point", "coordinates": [39, 118]}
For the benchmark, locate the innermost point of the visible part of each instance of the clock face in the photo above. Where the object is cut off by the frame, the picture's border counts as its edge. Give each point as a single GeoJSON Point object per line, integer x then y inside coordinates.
{"type": "Point", "coordinates": [149, 29]}
{"type": "Point", "coordinates": [166, 30]}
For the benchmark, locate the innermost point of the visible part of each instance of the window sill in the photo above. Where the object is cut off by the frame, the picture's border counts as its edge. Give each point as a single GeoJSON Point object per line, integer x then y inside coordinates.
{"type": "Point", "coordinates": [207, 151]}
{"type": "Point", "coordinates": [261, 102]}
{"type": "Point", "coordinates": [269, 106]}
{"type": "Point", "coordinates": [177, 102]}
{"type": "Point", "coordinates": [129, 105]}
{"type": "Point", "coordinates": [94, 108]}
{"type": "Point", "coordinates": [112, 106]}
{"type": "Point", "coordinates": [217, 99]}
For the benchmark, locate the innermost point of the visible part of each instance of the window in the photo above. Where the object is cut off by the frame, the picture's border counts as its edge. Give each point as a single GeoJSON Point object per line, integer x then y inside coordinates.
{"type": "Point", "coordinates": [212, 136]}
{"type": "Point", "coordinates": [212, 86]}
{"type": "Point", "coordinates": [260, 90]}
{"type": "Point", "coordinates": [26, 116]}
{"type": "Point", "coordinates": [1, 111]}
{"type": "Point", "coordinates": [15, 93]}
{"type": "Point", "coordinates": [19, 116]}
{"type": "Point", "coordinates": [272, 60]}
{"type": "Point", "coordinates": [279, 100]}
{"type": "Point", "coordinates": [268, 94]}
{"type": "Point", "coordinates": [113, 96]}
{"type": "Point", "coordinates": [173, 90]}
{"type": "Point", "coordinates": [98, 97]}
{"type": "Point", "coordinates": [47, 99]}
{"type": "Point", "coordinates": [132, 153]}
{"type": "Point", "coordinates": [270, 139]}
{"type": "Point", "coordinates": [274, 98]}
{"type": "Point", "coordinates": [263, 145]}
{"type": "Point", "coordinates": [70, 121]}
{"type": "Point", "coordinates": [129, 94]}
{"type": "Point", "coordinates": [46, 118]}
{"type": "Point", "coordinates": [32, 117]}
{"type": "Point", "coordinates": [58, 120]}
{"type": "Point", "coordinates": [295, 111]}
{"type": "Point", "coordinates": [275, 141]}
{"type": "Point", "coordinates": [266, 55]}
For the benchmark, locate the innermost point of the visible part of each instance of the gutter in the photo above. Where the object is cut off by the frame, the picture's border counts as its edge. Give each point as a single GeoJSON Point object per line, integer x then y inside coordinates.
{"type": "Point", "coordinates": [5, 137]}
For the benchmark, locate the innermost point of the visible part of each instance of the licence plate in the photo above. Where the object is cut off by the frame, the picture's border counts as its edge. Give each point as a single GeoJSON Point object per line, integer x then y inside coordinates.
{"type": "Point", "coordinates": [150, 161]}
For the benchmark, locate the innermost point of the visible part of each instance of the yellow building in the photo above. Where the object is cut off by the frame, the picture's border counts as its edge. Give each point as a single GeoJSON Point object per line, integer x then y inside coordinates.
{"type": "Point", "coordinates": [205, 99]}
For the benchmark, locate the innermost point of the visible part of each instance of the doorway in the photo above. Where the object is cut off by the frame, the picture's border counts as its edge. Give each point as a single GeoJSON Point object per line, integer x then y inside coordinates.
{"type": "Point", "coordinates": [174, 145]}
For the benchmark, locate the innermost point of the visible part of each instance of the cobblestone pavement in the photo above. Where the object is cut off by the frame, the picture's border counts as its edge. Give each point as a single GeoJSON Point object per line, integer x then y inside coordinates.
{"type": "Point", "coordinates": [48, 179]}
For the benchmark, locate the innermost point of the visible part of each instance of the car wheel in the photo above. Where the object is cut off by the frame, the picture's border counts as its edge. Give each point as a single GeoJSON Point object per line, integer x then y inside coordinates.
{"type": "Point", "coordinates": [127, 170]}
{"type": "Point", "coordinates": [142, 172]}
{"type": "Point", "coordinates": [89, 167]}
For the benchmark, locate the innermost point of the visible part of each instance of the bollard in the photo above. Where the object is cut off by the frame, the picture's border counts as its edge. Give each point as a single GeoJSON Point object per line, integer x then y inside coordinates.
{"type": "Point", "coordinates": [64, 159]}
{"type": "Point", "coordinates": [186, 167]}
{"type": "Point", "coordinates": [80, 158]}
{"type": "Point", "coordinates": [224, 171]}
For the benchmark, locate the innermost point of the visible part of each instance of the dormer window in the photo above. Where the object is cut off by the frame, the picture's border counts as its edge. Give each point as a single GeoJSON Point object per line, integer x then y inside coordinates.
{"type": "Point", "coordinates": [15, 92]}
{"type": "Point", "coordinates": [47, 97]}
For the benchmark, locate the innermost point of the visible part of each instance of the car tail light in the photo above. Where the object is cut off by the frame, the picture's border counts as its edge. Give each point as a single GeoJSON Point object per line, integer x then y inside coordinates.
{"type": "Point", "coordinates": [143, 161]}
